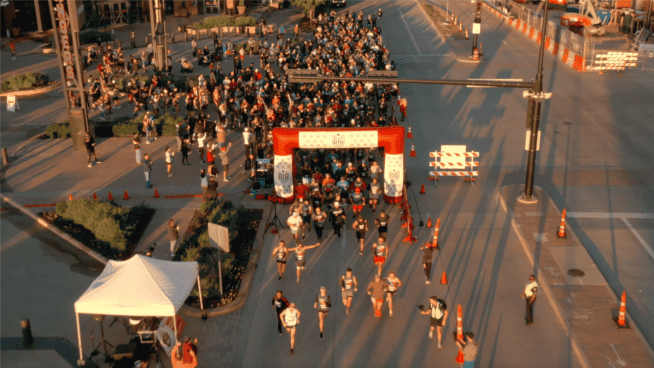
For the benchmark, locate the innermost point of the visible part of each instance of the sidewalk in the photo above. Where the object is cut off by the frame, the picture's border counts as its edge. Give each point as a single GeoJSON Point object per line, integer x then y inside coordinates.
{"type": "Point", "coordinates": [585, 305]}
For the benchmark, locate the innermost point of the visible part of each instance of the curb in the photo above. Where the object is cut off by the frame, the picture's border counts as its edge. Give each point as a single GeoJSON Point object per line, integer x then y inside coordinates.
{"type": "Point", "coordinates": [544, 284]}
{"type": "Point", "coordinates": [32, 92]}
{"type": "Point", "coordinates": [566, 55]}
{"type": "Point", "coordinates": [548, 291]}
{"type": "Point", "coordinates": [244, 290]}
{"type": "Point", "coordinates": [444, 39]}
{"type": "Point", "coordinates": [56, 231]}
{"type": "Point", "coordinates": [29, 140]}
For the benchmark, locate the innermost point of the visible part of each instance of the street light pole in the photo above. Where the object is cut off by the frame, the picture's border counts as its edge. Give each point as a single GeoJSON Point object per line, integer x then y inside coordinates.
{"type": "Point", "coordinates": [535, 98]}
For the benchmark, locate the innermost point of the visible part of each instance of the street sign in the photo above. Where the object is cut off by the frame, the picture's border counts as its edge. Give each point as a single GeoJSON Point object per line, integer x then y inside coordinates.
{"type": "Point", "coordinates": [476, 28]}
{"type": "Point", "coordinates": [528, 137]}
{"type": "Point", "coordinates": [12, 104]}
{"type": "Point", "coordinates": [219, 237]}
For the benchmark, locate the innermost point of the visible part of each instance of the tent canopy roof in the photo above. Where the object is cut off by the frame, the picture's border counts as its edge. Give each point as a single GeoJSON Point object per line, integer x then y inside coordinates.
{"type": "Point", "coordinates": [140, 286]}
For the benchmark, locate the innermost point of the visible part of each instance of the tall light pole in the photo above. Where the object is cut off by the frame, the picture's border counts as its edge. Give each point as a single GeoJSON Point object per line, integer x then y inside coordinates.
{"type": "Point", "coordinates": [536, 96]}
{"type": "Point", "coordinates": [65, 26]}
{"type": "Point", "coordinates": [159, 43]}
{"type": "Point", "coordinates": [476, 26]}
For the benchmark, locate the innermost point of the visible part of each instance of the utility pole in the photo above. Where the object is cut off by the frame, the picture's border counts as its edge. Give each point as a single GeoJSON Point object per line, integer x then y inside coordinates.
{"type": "Point", "coordinates": [476, 26]}
{"type": "Point", "coordinates": [535, 96]}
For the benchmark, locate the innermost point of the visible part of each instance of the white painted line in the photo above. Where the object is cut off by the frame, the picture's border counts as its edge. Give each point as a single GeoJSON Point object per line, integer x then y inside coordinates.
{"type": "Point", "coordinates": [620, 361]}
{"type": "Point", "coordinates": [410, 34]}
{"type": "Point", "coordinates": [642, 241]}
{"type": "Point", "coordinates": [505, 42]}
{"type": "Point", "coordinates": [607, 215]}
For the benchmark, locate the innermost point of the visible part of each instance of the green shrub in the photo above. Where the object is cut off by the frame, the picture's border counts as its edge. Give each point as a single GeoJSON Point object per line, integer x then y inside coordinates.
{"type": "Point", "coordinates": [241, 3]}
{"type": "Point", "coordinates": [245, 22]}
{"type": "Point", "coordinates": [92, 37]}
{"type": "Point", "coordinates": [166, 124]}
{"type": "Point", "coordinates": [61, 130]}
{"type": "Point", "coordinates": [195, 247]}
{"type": "Point", "coordinates": [224, 21]}
{"type": "Point", "coordinates": [125, 130]}
{"type": "Point", "coordinates": [101, 219]}
{"type": "Point", "coordinates": [24, 82]}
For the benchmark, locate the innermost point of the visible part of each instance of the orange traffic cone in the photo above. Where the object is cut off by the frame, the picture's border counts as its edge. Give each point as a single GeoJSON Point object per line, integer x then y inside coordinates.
{"type": "Point", "coordinates": [444, 278]}
{"type": "Point", "coordinates": [621, 320]}
{"type": "Point", "coordinates": [70, 197]}
{"type": "Point", "coordinates": [459, 323]}
{"type": "Point", "coordinates": [460, 26]}
{"type": "Point", "coordinates": [467, 37]}
{"type": "Point", "coordinates": [429, 222]}
{"type": "Point", "coordinates": [561, 233]}
{"type": "Point", "coordinates": [110, 197]}
{"type": "Point", "coordinates": [434, 242]}
{"type": "Point", "coordinates": [413, 151]}
{"type": "Point", "coordinates": [422, 189]}
{"type": "Point", "coordinates": [459, 358]}
{"type": "Point", "coordinates": [156, 193]}
{"type": "Point", "coordinates": [95, 196]}
{"type": "Point", "coordinates": [409, 134]}
{"type": "Point", "coordinates": [126, 196]}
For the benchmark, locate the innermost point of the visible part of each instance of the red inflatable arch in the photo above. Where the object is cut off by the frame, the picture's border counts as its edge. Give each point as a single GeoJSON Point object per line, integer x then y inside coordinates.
{"type": "Point", "coordinates": [391, 138]}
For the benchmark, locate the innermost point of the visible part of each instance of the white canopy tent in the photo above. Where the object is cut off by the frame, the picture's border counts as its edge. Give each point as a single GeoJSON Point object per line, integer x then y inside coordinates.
{"type": "Point", "coordinates": [140, 287]}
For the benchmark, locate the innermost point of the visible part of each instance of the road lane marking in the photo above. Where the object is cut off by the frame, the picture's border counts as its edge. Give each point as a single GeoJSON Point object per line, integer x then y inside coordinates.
{"type": "Point", "coordinates": [410, 34]}
{"type": "Point", "coordinates": [607, 215]}
{"type": "Point", "coordinates": [642, 241]}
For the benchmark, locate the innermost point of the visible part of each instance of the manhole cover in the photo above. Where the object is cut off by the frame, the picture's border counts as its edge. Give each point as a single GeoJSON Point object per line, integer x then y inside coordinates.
{"type": "Point", "coordinates": [576, 272]}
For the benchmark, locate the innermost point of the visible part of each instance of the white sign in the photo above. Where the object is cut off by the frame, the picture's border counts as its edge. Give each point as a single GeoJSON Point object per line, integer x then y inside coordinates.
{"type": "Point", "coordinates": [528, 138]}
{"type": "Point", "coordinates": [284, 175]}
{"type": "Point", "coordinates": [12, 104]}
{"type": "Point", "coordinates": [457, 160]}
{"type": "Point", "coordinates": [476, 28]}
{"type": "Point", "coordinates": [219, 237]}
{"type": "Point", "coordinates": [340, 139]}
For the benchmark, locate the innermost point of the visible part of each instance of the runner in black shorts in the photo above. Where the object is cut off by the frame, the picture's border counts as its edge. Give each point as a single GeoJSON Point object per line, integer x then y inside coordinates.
{"type": "Point", "coordinates": [319, 218]}
{"type": "Point", "coordinates": [281, 253]}
{"type": "Point", "coordinates": [301, 259]}
{"type": "Point", "coordinates": [427, 256]}
{"type": "Point", "coordinates": [323, 303]}
{"type": "Point", "coordinates": [361, 226]}
{"type": "Point", "coordinates": [279, 304]}
{"type": "Point", "coordinates": [438, 312]}
{"type": "Point", "coordinates": [382, 224]}
{"type": "Point", "coordinates": [290, 319]}
{"type": "Point", "coordinates": [349, 284]}
{"type": "Point", "coordinates": [392, 284]}
{"type": "Point", "coordinates": [305, 211]}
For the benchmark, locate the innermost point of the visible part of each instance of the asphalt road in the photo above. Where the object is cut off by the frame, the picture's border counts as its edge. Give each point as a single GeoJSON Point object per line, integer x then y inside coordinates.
{"type": "Point", "coordinates": [595, 157]}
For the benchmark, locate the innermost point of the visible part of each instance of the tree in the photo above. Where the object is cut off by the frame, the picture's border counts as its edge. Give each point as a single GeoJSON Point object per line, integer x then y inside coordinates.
{"type": "Point", "coordinates": [307, 5]}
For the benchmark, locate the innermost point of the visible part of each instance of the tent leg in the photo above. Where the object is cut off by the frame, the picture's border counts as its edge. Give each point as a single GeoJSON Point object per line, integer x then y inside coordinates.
{"type": "Point", "coordinates": [200, 292]}
{"type": "Point", "coordinates": [175, 327]}
{"type": "Point", "coordinates": [81, 361]}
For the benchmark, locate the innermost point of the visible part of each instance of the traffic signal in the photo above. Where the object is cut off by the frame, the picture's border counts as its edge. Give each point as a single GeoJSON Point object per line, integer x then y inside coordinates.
{"type": "Point", "coordinates": [478, 12]}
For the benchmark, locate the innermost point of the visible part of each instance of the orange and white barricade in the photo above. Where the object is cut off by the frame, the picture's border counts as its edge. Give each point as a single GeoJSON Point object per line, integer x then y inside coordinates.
{"type": "Point", "coordinates": [454, 160]}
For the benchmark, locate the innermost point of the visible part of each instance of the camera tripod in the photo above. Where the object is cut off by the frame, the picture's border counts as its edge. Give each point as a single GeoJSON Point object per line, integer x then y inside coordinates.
{"type": "Point", "coordinates": [275, 223]}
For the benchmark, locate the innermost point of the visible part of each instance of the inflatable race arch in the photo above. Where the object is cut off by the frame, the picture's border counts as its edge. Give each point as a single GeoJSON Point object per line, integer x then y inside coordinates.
{"type": "Point", "coordinates": [285, 140]}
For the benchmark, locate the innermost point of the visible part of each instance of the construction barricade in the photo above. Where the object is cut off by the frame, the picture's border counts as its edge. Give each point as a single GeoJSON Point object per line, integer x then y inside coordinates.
{"type": "Point", "coordinates": [453, 160]}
